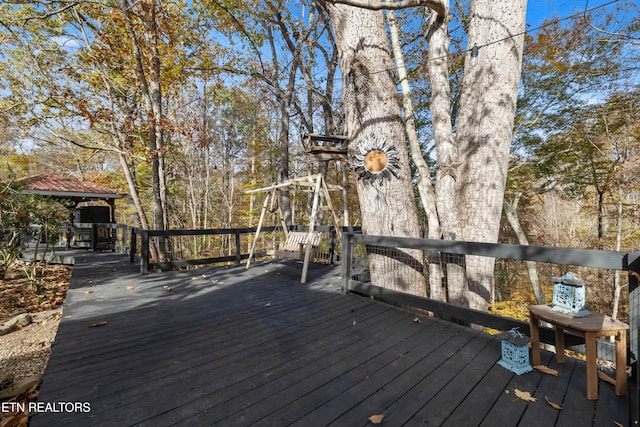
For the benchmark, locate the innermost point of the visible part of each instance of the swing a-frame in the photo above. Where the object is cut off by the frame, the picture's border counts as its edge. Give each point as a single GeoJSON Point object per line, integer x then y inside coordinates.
{"type": "Point", "coordinates": [298, 244]}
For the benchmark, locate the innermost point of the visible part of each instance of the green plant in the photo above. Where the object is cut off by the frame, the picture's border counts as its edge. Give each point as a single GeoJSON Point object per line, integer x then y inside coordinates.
{"type": "Point", "coordinates": [23, 215]}
{"type": "Point", "coordinates": [8, 254]}
{"type": "Point", "coordinates": [32, 277]}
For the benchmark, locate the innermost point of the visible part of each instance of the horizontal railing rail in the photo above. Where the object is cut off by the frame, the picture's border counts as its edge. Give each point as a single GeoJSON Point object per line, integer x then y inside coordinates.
{"type": "Point", "coordinates": [237, 257]}
{"type": "Point", "coordinates": [621, 261]}
{"type": "Point", "coordinates": [145, 235]}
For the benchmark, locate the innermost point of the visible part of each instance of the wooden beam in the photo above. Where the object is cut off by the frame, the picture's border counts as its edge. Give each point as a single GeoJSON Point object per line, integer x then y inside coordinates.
{"type": "Point", "coordinates": [323, 149]}
{"type": "Point", "coordinates": [307, 181]}
{"type": "Point", "coordinates": [304, 181]}
{"type": "Point", "coordinates": [312, 223]}
{"type": "Point", "coordinates": [328, 156]}
{"type": "Point", "coordinates": [332, 138]}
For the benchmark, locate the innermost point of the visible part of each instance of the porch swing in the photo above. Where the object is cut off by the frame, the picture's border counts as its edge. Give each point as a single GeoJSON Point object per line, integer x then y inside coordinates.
{"type": "Point", "coordinates": [300, 245]}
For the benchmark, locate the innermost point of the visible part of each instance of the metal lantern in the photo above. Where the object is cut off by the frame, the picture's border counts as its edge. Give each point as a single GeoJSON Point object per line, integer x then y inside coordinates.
{"type": "Point", "coordinates": [569, 296]}
{"type": "Point", "coordinates": [515, 352]}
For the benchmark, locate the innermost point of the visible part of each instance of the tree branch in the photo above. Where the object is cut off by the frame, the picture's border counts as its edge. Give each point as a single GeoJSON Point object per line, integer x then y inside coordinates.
{"type": "Point", "coordinates": [437, 6]}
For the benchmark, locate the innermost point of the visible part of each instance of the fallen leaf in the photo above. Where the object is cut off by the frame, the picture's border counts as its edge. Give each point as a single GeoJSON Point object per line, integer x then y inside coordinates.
{"type": "Point", "coordinates": [204, 276]}
{"type": "Point", "coordinates": [193, 277]}
{"type": "Point", "coordinates": [525, 395]}
{"type": "Point", "coordinates": [132, 288]}
{"type": "Point", "coordinates": [417, 320]}
{"type": "Point", "coordinates": [166, 288]}
{"type": "Point", "coordinates": [15, 419]}
{"type": "Point", "coordinates": [552, 404]}
{"type": "Point", "coordinates": [90, 291]}
{"type": "Point", "coordinates": [546, 370]}
{"type": "Point", "coordinates": [618, 424]}
{"type": "Point", "coordinates": [376, 419]}
{"type": "Point", "coordinates": [354, 322]}
{"type": "Point", "coordinates": [18, 388]}
{"type": "Point", "coordinates": [268, 304]}
{"type": "Point", "coordinates": [94, 325]}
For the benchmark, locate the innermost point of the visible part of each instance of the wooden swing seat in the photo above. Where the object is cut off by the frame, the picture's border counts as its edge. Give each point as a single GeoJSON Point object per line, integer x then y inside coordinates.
{"type": "Point", "coordinates": [295, 245]}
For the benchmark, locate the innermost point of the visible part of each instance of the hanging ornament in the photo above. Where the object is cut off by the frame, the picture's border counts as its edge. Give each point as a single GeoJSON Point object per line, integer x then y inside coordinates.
{"type": "Point", "coordinates": [376, 160]}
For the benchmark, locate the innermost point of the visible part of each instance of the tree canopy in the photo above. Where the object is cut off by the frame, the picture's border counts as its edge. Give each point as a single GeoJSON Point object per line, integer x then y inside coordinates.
{"type": "Point", "coordinates": [186, 104]}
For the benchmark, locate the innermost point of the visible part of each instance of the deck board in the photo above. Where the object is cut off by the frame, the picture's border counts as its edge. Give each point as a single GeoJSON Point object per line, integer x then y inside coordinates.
{"type": "Point", "coordinates": [237, 347]}
{"type": "Point", "coordinates": [552, 388]}
{"type": "Point", "coordinates": [438, 409]}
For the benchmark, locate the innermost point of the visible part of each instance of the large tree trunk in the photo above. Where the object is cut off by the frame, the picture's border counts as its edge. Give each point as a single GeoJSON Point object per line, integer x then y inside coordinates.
{"type": "Point", "coordinates": [374, 125]}
{"type": "Point", "coordinates": [488, 102]}
{"type": "Point", "coordinates": [472, 168]}
{"type": "Point", "coordinates": [283, 172]}
{"type": "Point", "coordinates": [446, 152]}
{"type": "Point", "coordinates": [425, 188]}
{"type": "Point", "coordinates": [149, 79]}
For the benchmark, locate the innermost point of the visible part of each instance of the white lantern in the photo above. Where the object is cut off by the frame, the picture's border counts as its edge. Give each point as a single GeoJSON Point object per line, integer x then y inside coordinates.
{"type": "Point", "coordinates": [515, 352]}
{"type": "Point", "coordinates": [569, 296]}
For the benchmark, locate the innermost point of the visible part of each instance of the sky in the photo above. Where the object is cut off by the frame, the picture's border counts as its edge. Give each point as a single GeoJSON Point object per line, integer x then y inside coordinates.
{"type": "Point", "coordinates": [538, 10]}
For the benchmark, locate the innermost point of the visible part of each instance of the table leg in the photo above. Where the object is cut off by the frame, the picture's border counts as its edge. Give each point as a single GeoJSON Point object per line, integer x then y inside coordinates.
{"type": "Point", "coordinates": [535, 340]}
{"type": "Point", "coordinates": [559, 344]}
{"type": "Point", "coordinates": [621, 363]}
{"type": "Point", "coordinates": [592, 372]}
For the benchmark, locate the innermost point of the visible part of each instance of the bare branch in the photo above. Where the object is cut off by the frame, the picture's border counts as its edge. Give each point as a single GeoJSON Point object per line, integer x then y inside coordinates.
{"type": "Point", "coordinates": [437, 6]}
{"type": "Point", "coordinates": [82, 145]}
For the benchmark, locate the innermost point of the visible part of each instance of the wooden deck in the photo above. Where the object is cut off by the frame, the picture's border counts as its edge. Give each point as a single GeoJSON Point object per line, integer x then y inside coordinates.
{"type": "Point", "coordinates": [236, 347]}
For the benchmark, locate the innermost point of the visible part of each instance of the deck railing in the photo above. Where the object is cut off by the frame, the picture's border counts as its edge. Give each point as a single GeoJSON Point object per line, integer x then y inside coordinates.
{"type": "Point", "coordinates": [141, 250]}
{"type": "Point", "coordinates": [98, 236]}
{"type": "Point", "coordinates": [601, 265]}
{"type": "Point", "coordinates": [236, 245]}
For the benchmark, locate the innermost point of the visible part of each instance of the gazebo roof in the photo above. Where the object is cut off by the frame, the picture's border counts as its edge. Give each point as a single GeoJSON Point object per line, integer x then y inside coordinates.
{"type": "Point", "coordinates": [65, 187]}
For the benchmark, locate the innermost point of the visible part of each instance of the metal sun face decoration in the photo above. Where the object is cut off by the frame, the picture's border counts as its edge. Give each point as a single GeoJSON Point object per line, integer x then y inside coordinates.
{"type": "Point", "coordinates": [376, 161]}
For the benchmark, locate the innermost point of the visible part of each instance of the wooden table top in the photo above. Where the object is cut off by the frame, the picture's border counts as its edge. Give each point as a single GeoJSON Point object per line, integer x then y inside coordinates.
{"type": "Point", "coordinates": [594, 322]}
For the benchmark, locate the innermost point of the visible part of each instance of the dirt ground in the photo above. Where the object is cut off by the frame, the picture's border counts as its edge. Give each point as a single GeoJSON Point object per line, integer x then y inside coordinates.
{"type": "Point", "coordinates": [24, 351]}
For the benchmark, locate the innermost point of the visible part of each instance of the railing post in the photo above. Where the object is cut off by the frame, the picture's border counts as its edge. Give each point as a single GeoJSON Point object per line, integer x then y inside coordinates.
{"type": "Point", "coordinates": [134, 244]}
{"type": "Point", "coordinates": [332, 244]}
{"type": "Point", "coordinates": [347, 252]}
{"type": "Point", "coordinates": [633, 269]}
{"type": "Point", "coordinates": [94, 237]}
{"type": "Point", "coordinates": [123, 237]}
{"type": "Point", "coordinates": [238, 249]}
{"type": "Point", "coordinates": [144, 252]}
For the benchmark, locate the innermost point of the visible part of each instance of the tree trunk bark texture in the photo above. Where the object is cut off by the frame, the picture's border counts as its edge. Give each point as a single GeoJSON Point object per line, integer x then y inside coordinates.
{"type": "Point", "coordinates": [485, 130]}
{"type": "Point", "coordinates": [425, 187]}
{"type": "Point", "coordinates": [374, 124]}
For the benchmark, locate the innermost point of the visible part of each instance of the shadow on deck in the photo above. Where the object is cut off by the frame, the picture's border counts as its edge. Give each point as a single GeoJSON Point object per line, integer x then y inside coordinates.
{"type": "Point", "coordinates": [238, 347]}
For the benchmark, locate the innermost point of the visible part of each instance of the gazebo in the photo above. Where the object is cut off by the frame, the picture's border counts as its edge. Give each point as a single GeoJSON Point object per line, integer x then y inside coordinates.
{"type": "Point", "coordinates": [67, 188]}
{"type": "Point", "coordinates": [83, 220]}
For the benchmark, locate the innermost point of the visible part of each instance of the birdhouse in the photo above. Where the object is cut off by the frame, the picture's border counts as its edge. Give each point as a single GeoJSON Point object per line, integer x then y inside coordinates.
{"type": "Point", "coordinates": [515, 352]}
{"type": "Point", "coordinates": [569, 296]}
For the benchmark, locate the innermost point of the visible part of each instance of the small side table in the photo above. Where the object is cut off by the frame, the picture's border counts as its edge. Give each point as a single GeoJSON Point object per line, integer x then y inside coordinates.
{"type": "Point", "coordinates": [588, 327]}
